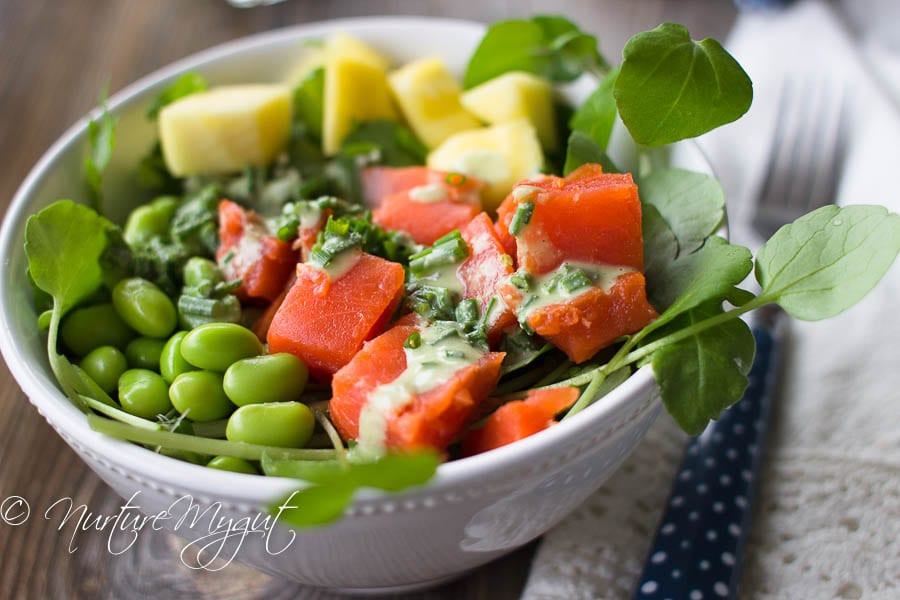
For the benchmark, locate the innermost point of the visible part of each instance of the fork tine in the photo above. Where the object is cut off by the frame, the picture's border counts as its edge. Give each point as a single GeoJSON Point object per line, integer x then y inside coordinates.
{"type": "Point", "coordinates": [805, 154]}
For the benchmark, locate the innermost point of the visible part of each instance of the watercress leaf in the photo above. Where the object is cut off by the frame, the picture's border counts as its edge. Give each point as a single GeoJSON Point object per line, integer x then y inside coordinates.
{"type": "Point", "coordinates": [101, 141]}
{"type": "Point", "coordinates": [548, 46]}
{"type": "Point", "coordinates": [581, 150]}
{"type": "Point", "coordinates": [660, 250]}
{"type": "Point", "coordinates": [827, 260]}
{"type": "Point", "coordinates": [709, 273]}
{"type": "Point", "coordinates": [570, 51]}
{"type": "Point", "coordinates": [309, 101]}
{"type": "Point", "coordinates": [692, 204]}
{"type": "Point", "coordinates": [335, 483]}
{"type": "Point", "coordinates": [705, 373]}
{"type": "Point", "coordinates": [394, 144]}
{"type": "Point", "coordinates": [597, 114]}
{"type": "Point", "coordinates": [315, 505]}
{"type": "Point", "coordinates": [672, 88]}
{"type": "Point", "coordinates": [64, 243]}
{"type": "Point", "coordinates": [521, 350]}
{"type": "Point", "coordinates": [507, 46]}
{"type": "Point", "coordinates": [187, 84]}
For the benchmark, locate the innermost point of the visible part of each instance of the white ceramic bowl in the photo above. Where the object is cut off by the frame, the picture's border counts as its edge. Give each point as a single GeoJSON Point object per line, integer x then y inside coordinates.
{"type": "Point", "coordinates": [473, 511]}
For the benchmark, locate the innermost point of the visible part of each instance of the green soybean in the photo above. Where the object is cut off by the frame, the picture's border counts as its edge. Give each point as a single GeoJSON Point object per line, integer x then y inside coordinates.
{"type": "Point", "coordinates": [88, 328]}
{"type": "Point", "coordinates": [144, 393]}
{"type": "Point", "coordinates": [215, 346]}
{"type": "Point", "coordinates": [144, 307]}
{"type": "Point", "coordinates": [199, 271]}
{"type": "Point", "coordinates": [171, 363]}
{"type": "Point", "coordinates": [150, 221]}
{"type": "Point", "coordinates": [269, 378]}
{"type": "Point", "coordinates": [198, 395]}
{"type": "Point", "coordinates": [230, 463]}
{"type": "Point", "coordinates": [282, 424]}
{"type": "Point", "coordinates": [105, 365]}
{"type": "Point", "coordinates": [144, 353]}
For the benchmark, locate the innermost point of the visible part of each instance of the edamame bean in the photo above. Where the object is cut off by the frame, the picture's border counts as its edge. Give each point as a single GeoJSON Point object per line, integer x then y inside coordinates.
{"type": "Point", "coordinates": [283, 424]}
{"type": "Point", "coordinates": [144, 353]}
{"type": "Point", "coordinates": [144, 307]}
{"type": "Point", "coordinates": [144, 393]}
{"type": "Point", "coordinates": [198, 395]}
{"type": "Point", "coordinates": [88, 328]}
{"type": "Point", "coordinates": [171, 363]}
{"type": "Point", "coordinates": [230, 463]}
{"type": "Point", "coordinates": [105, 365]}
{"type": "Point", "coordinates": [268, 378]}
{"type": "Point", "coordinates": [199, 271]}
{"type": "Point", "coordinates": [150, 220]}
{"type": "Point", "coordinates": [215, 346]}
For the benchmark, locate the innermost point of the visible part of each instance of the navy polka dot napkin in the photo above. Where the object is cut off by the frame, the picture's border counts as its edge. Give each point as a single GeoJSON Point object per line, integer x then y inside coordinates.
{"type": "Point", "coordinates": [698, 547]}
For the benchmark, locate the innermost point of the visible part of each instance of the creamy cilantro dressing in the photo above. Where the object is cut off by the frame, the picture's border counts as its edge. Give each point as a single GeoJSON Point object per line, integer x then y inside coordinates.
{"type": "Point", "coordinates": [544, 293]}
{"type": "Point", "coordinates": [523, 192]}
{"type": "Point", "coordinates": [444, 277]}
{"type": "Point", "coordinates": [432, 192]}
{"type": "Point", "coordinates": [309, 215]}
{"type": "Point", "coordinates": [440, 355]}
{"type": "Point", "coordinates": [338, 266]}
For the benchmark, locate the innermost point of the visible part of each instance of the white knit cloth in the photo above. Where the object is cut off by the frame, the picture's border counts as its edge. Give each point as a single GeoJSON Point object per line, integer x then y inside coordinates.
{"type": "Point", "coordinates": [827, 521]}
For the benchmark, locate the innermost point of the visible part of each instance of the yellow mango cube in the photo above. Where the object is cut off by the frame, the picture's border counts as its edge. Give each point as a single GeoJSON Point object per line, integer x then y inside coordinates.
{"type": "Point", "coordinates": [499, 155]}
{"type": "Point", "coordinates": [225, 129]}
{"type": "Point", "coordinates": [355, 91]}
{"type": "Point", "coordinates": [429, 99]}
{"type": "Point", "coordinates": [515, 95]}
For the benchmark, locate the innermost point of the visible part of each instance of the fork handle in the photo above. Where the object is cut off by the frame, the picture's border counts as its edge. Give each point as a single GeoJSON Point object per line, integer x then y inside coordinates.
{"type": "Point", "coordinates": [699, 544]}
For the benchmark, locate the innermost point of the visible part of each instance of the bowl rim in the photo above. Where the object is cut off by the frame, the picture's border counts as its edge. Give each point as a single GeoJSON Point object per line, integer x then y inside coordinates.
{"type": "Point", "coordinates": [42, 390]}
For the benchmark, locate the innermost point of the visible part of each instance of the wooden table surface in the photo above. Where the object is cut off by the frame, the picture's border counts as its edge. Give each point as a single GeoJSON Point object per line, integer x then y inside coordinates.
{"type": "Point", "coordinates": [54, 58]}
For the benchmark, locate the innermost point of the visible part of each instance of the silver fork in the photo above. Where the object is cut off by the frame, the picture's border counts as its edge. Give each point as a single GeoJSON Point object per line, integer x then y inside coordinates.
{"type": "Point", "coordinates": [698, 549]}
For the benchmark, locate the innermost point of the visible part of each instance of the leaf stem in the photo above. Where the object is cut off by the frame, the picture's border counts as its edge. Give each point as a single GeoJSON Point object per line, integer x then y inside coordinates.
{"type": "Point", "coordinates": [192, 443]}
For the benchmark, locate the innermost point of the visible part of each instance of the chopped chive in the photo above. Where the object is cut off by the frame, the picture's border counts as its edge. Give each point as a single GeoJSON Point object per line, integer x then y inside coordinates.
{"type": "Point", "coordinates": [467, 312]}
{"type": "Point", "coordinates": [455, 179]}
{"type": "Point", "coordinates": [521, 218]}
{"type": "Point", "coordinates": [413, 341]}
{"type": "Point", "coordinates": [575, 279]}
{"type": "Point", "coordinates": [521, 280]}
{"type": "Point", "coordinates": [447, 250]}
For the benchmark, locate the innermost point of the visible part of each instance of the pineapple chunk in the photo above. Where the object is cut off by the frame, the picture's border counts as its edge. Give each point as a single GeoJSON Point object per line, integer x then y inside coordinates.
{"type": "Point", "coordinates": [351, 48]}
{"type": "Point", "coordinates": [515, 95]}
{"type": "Point", "coordinates": [429, 98]}
{"type": "Point", "coordinates": [225, 129]}
{"type": "Point", "coordinates": [354, 92]}
{"type": "Point", "coordinates": [499, 155]}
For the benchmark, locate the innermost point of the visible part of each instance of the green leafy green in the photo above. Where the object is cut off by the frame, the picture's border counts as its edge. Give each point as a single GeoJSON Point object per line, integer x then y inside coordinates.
{"type": "Point", "coordinates": [671, 88]}
{"type": "Point", "coordinates": [548, 46]}
{"type": "Point", "coordinates": [101, 141]}
{"type": "Point", "coordinates": [692, 204]}
{"type": "Point", "coordinates": [826, 261]}
{"type": "Point", "coordinates": [386, 143]}
{"type": "Point", "coordinates": [309, 101]}
{"type": "Point", "coordinates": [64, 243]}
{"type": "Point", "coordinates": [187, 84]}
{"type": "Point", "coordinates": [703, 374]}
{"type": "Point", "coordinates": [597, 114]}
{"type": "Point", "coordinates": [582, 150]}
{"type": "Point", "coordinates": [333, 483]}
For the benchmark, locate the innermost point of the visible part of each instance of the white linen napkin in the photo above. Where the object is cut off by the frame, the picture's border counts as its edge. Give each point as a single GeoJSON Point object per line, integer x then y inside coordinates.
{"type": "Point", "coordinates": [827, 520]}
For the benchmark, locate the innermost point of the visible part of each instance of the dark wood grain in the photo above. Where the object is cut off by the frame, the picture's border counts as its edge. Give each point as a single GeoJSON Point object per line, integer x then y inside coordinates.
{"type": "Point", "coordinates": [54, 57]}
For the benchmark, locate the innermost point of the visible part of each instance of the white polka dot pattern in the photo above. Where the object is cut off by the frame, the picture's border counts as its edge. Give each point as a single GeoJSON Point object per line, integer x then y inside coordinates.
{"type": "Point", "coordinates": [711, 498]}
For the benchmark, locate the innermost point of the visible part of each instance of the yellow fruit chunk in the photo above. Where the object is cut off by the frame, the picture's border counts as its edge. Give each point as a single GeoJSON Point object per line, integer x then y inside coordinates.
{"type": "Point", "coordinates": [351, 48]}
{"type": "Point", "coordinates": [515, 95]}
{"type": "Point", "coordinates": [225, 129]}
{"type": "Point", "coordinates": [429, 99]}
{"type": "Point", "coordinates": [354, 92]}
{"type": "Point", "coordinates": [499, 155]}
